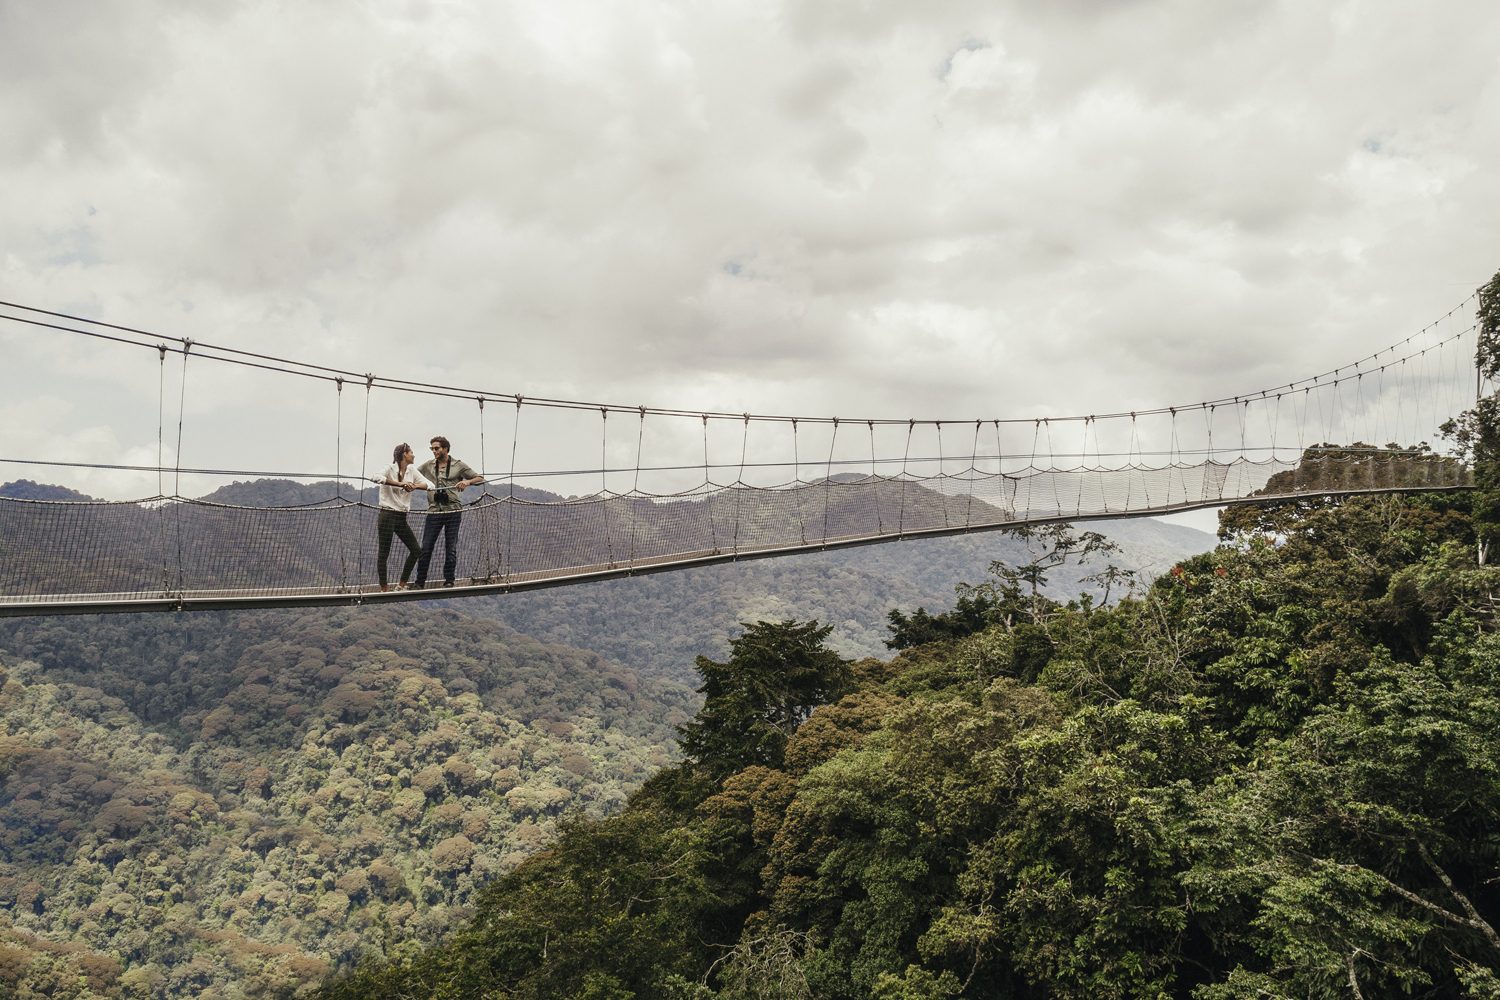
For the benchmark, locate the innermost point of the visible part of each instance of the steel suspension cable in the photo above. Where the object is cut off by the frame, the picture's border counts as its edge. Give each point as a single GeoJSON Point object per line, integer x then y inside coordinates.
{"type": "Point", "coordinates": [311, 370]}
{"type": "Point", "coordinates": [828, 476]}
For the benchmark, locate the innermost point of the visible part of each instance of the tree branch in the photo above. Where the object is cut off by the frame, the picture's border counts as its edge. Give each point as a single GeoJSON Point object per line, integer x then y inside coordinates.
{"type": "Point", "coordinates": [1353, 979]}
{"type": "Point", "coordinates": [1475, 920]}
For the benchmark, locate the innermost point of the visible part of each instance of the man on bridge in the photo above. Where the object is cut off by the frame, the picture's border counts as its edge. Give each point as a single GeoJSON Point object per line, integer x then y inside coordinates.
{"type": "Point", "coordinates": [444, 511]}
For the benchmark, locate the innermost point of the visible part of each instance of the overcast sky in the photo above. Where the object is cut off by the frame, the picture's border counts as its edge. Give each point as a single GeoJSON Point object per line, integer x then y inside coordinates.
{"type": "Point", "coordinates": [886, 208]}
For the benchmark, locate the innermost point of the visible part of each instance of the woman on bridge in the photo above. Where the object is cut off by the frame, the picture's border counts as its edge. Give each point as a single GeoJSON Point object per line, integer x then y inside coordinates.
{"type": "Point", "coordinates": [396, 486]}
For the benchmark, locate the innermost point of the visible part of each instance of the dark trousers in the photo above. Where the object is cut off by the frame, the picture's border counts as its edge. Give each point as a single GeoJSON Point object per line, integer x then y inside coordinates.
{"type": "Point", "coordinates": [393, 522]}
{"type": "Point", "coordinates": [443, 523]}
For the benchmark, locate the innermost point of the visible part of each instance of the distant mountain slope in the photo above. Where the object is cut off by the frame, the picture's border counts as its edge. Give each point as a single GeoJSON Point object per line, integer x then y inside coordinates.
{"type": "Point", "coordinates": [25, 489]}
{"type": "Point", "coordinates": [659, 623]}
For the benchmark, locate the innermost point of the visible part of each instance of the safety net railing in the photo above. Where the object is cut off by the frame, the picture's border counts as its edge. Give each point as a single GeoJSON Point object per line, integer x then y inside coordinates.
{"type": "Point", "coordinates": [184, 552]}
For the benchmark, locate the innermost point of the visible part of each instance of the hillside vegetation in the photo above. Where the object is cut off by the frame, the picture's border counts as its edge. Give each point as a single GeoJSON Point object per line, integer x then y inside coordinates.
{"type": "Point", "coordinates": [1274, 774]}
{"type": "Point", "coordinates": [232, 805]}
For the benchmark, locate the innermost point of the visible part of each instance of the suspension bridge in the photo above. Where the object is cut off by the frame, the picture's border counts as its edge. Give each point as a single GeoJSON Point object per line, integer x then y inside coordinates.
{"type": "Point", "coordinates": [587, 491]}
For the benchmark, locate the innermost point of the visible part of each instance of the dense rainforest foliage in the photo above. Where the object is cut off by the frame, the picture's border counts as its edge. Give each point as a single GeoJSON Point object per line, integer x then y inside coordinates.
{"type": "Point", "coordinates": [660, 623]}
{"type": "Point", "coordinates": [305, 751]}
{"type": "Point", "coordinates": [231, 805]}
{"type": "Point", "coordinates": [1274, 773]}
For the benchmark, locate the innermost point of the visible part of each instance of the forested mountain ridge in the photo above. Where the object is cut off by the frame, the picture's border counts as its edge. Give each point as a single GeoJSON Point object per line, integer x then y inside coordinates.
{"type": "Point", "coordinates": [1276, 773]}
{"type": "Point", "coordinates": [661, 622]}
{"type": "Point", "coordinates": [228, 805]}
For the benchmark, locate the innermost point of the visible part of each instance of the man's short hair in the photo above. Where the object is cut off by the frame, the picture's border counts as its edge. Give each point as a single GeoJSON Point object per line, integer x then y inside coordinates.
{"type": "Point", "coordinates": [439, 439]}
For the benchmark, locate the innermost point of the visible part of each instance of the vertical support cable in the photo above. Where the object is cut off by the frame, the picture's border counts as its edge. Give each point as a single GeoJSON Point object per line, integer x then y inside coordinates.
{"type": "Point", "coordinates": [1239, 462]}
{"type": "Point", "coordinates": [1275, 431]}
{"type": "Point", "coordinates": [1052, 457]}
{"type": "Point", "coordinates": [161, 486]}
{"type": "Point", "coordinates": [1083, 461]}
{"type": "Point", "coordinates": [187, 345]}
{"type": "Point", "coordinates": [739, 483]}
{"type": "Point", "coordinates": [1000, 470]}
{"type": "Point", "coordinates": [1325, 420]}
{"type": "Point", "coordinates": [911, 425]}
{"type": "Point", "coordinates": [1372, 457]}
{"type": "Point", "coordinates": [1302, 455]}
{"type": "Point", "coordinates": [1036, 431]}
{"type": "Point", "coordinates": [1338, 427]}
{"type": "Point", "coordinates": [1174, 465]}
{"type": "Point", "coordinates": [338, 486]}
{"type": "Point", "coordinates": [1270, 427]}
{"type": "Point", "coordinates": [941, 475]}
{"type": "Point", "coordinates": [973, 473]}
{"type": "Point", "coordinates": [364, 451]}
{"type": "Point", "coordinates": [1245, 409]}
{"type": "Point", "coordinates": [708, 494]}
{"type": "Point", "coordinates": [828, 477]}
{"type": "Point", "coordinates": [1099, 468]}
{"type": "Point", "coordinates": [797, 484]}
{"type": "Point", "coordinates": [875, 481]}
{"type": "Point", "coordinates": [489, 541]}
{"type": "Point", "coordinates": [635, 488]}
{"type": "Point", "coordinates": [609, 532]}
{"type": "Point", "coordinates": [508, 560]}
{"type": "Point", "coordinates": [1213, 456]}
{"type": "Point", "coordinates": [1401, 405]}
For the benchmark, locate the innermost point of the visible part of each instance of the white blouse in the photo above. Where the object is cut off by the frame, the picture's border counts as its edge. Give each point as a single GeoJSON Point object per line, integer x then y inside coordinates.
{"type": "Point", "coordinates": [395, 498]}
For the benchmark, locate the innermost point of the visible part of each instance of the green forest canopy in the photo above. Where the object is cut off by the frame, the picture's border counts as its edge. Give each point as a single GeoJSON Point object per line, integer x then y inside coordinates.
{"type": "Point", "coordinates": [1276, 773]}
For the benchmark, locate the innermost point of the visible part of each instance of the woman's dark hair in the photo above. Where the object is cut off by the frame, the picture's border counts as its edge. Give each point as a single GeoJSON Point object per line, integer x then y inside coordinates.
{"type": "Point", "coordinates": [401, 449]}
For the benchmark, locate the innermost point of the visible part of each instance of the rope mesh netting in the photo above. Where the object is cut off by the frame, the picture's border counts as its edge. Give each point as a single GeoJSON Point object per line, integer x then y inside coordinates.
{"type": "Point", "coordinates": [678, 488]}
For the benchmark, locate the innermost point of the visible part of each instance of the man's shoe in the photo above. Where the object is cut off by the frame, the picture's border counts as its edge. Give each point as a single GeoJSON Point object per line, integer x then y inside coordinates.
{"type": "Point", "coordinates": [419, 585]}
{"type": "Point", "coordinates": [447, 583]}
